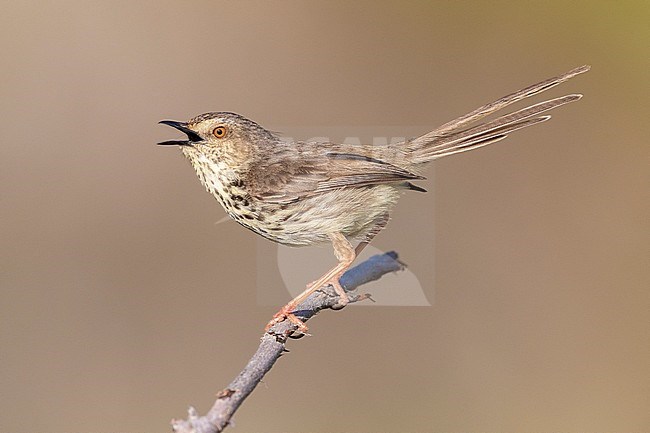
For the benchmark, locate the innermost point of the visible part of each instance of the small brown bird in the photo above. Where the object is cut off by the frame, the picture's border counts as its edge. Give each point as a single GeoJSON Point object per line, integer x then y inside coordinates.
{"type": "Point", "coordinates": [303, 193]}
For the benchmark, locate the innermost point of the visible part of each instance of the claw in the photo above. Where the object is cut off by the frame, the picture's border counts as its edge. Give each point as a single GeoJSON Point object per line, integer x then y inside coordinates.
{"type": "Point", "coordinates": [285, 314]}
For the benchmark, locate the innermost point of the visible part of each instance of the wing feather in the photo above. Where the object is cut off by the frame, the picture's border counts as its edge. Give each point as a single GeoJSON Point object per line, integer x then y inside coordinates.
{"type": "Point", "coordinates": [332, 171]}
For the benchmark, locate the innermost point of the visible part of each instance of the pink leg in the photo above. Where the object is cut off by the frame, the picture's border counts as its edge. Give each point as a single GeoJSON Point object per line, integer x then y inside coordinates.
{"type": "Point", "coordinates": [345, 255]}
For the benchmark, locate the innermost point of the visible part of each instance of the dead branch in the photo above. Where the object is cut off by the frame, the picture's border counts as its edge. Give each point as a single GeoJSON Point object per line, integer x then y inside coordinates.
{"type": "Point", "coordinates": [273, 343]}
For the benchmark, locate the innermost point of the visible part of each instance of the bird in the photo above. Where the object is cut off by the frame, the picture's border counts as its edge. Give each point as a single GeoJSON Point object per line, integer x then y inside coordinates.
{"type": "Point", "coordinates": [302, 193]}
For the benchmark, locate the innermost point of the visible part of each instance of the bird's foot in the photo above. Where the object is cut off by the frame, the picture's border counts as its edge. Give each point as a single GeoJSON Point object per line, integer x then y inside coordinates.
{"type": "Point", "coordinates": [286, 313]}
{"type": "Point", "coordinates": [343, 300]}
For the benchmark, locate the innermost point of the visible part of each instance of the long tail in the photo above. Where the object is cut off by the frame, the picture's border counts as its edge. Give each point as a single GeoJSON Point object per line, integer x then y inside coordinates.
{"type": "Point", "coordinates": [456, 136]}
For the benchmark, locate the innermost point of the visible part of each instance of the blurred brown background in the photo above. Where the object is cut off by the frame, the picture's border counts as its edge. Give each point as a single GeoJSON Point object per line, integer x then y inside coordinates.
{"type": "Point", "coordinates": [122, 302]}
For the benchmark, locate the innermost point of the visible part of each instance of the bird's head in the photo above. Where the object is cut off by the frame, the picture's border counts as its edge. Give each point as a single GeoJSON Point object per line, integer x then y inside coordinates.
{"type": "Point", "coordinates": [221, 137]}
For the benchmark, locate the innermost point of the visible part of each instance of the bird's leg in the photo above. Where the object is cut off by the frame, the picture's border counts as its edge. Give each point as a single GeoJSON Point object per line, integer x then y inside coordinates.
{"type": "Point", "coordinates": [379, 225]}
{"type": "Point", "coordinates": [345, 255]}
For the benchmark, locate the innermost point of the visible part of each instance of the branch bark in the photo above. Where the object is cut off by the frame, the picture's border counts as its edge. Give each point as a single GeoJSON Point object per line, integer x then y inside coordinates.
{"type": "Point", "coordinates": [273, 343]}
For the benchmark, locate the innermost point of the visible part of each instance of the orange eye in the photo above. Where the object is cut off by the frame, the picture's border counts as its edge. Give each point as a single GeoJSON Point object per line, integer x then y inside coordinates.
{"type": "Point", "coordinates": [220, 131]}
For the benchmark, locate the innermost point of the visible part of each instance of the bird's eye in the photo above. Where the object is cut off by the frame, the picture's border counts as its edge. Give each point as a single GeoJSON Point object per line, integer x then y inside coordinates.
{"type": "Point", "coordinates": [220, 131]}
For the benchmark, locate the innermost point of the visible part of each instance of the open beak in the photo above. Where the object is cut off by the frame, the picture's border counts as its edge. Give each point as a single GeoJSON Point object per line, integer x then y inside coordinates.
{"type": "Point", "coordinates": [192, 137]}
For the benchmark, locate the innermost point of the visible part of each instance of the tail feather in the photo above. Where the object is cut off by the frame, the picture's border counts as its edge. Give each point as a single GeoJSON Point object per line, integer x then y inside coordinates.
{"type": "Point", "coordinates": [455, 137]}
{"type": "Point", "coordinates": [482, 139]}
